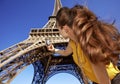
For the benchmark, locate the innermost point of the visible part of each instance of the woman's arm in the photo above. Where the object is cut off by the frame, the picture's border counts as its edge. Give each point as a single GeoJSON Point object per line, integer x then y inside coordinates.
{"type": "Point", "coordinates": [65, 52]}
{"type": "Point", "coordinates": [101, 73]}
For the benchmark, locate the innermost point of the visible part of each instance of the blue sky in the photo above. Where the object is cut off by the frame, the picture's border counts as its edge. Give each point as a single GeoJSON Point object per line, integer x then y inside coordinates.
{"type": "Point", "coordinates": [17, 17]}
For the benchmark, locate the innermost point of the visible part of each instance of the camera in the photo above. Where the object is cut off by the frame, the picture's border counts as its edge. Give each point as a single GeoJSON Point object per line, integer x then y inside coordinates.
{"type": "Point", "coordinates": [48, 42]}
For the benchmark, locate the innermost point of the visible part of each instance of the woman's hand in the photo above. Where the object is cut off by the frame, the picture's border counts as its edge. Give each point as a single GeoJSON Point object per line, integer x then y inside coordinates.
{"type": "Point", "coordinates": [51, 48]}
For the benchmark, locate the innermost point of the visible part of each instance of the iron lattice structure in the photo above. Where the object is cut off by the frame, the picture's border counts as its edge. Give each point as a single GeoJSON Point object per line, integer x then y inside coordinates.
{"type": "Point", "coordinates": [33, 51]}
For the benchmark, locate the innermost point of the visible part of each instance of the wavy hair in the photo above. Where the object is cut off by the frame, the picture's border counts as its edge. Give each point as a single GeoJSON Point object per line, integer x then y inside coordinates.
{"type": "Point", "coordinates": [63, 17]}
{"type": "Point", "coordinates": [99, 40]}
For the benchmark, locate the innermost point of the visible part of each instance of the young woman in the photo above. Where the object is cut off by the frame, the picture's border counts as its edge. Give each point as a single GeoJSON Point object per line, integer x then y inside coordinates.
{"type": "Point", "coordinates": [94, 44]}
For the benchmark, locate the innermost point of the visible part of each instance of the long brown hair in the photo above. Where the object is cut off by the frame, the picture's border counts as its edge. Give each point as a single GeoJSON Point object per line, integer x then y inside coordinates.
{"type": "Point", "coordinates": [63, 17]}
{"type": "Point", "coordinates": [99, 40]}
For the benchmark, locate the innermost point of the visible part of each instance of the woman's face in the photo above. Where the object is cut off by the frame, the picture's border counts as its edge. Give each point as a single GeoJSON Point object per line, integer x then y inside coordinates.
{"type": "Point", "coordinates": [63, 32]}
{"type": "Point", "coordinates": [67, 32]}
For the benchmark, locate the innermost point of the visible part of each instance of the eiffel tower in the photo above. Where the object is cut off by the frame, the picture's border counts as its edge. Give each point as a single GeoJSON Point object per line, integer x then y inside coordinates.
{"type": "Point", "coordinates": [32, 50]}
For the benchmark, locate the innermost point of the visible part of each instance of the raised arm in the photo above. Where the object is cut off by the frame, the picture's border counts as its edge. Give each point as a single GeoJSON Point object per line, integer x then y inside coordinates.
{"type": "Point", "coordinates": [65, 52]}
